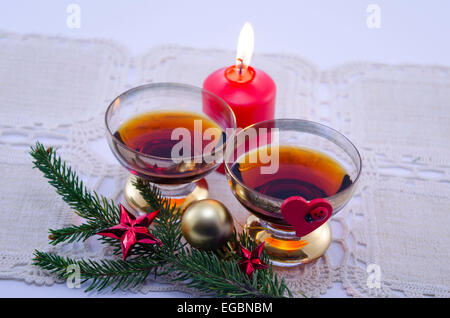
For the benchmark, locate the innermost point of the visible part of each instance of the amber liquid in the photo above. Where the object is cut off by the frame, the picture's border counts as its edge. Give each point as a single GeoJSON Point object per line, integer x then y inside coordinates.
{"type": "Point", "coordinates": [302, 172]}
{"type": "Point", "coordinates": [151, 133]}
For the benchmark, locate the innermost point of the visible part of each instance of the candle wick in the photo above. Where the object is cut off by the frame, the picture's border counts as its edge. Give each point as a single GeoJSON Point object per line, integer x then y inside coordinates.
{"type": "Point", "coordinates": [241, 65]}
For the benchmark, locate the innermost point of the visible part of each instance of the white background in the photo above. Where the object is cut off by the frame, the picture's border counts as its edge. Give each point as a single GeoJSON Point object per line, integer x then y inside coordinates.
{"type": "Point", "coordinates": [327, 33]}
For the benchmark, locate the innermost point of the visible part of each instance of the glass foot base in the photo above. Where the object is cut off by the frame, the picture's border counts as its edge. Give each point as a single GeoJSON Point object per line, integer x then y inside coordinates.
{"type": "Point", "coordinates": [181, 195]}
{"type": "Point", "coordinates": [284, 248]}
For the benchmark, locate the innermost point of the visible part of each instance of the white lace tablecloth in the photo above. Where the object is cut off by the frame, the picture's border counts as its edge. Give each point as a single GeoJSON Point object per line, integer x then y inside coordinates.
{"type": "Point", "coordinates": [56, 90]}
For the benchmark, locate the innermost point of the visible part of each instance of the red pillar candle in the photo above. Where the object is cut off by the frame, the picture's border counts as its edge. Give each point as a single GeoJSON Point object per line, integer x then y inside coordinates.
{"type": "Point", "coordinates": [249, 92]}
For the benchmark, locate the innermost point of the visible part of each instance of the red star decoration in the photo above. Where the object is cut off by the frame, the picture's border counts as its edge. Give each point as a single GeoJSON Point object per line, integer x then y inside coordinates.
{"type": "Point", "coordinates": [250, 260]}
{"type": "Point", "coordinates": [131, 230]}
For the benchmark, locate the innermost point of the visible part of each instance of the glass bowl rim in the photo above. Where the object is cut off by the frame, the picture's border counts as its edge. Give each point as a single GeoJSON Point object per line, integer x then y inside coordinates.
{"type": "Point", "coordinates": [306, 122]}
{"type": "Point", "coordinates": [165, 84]}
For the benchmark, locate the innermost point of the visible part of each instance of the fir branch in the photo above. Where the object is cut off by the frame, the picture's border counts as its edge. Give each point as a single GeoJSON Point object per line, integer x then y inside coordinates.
{"type": "Point", "coordinates": [198, 269]}
{"type": "Point", "coordinates": [167, 224]}
{"type": "Point", "coordinates": [98, 212]}
{"type": "Point", "coordinates": [100, 274]}
{"type": "Point", "coordinates": [72, 233]}
{"type": "Point", "coordinates": [205, 272]}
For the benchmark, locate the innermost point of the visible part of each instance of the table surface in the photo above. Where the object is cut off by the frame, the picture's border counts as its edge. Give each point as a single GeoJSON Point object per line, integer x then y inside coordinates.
{"type": "Point", "coordinates": [327, 33]}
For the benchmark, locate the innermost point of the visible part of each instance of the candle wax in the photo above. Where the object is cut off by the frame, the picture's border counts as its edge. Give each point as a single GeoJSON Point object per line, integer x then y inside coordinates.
{"type": "Point", "coordinates": [249, 92]}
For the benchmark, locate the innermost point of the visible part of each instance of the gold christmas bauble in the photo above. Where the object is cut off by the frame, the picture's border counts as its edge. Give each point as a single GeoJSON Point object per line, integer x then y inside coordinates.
{"type": "Point", "coordinates": [207, 224]}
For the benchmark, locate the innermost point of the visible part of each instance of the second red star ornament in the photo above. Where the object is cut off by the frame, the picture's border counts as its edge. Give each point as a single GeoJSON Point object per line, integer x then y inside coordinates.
{"type": "Point", "coordinates": [251, 260]}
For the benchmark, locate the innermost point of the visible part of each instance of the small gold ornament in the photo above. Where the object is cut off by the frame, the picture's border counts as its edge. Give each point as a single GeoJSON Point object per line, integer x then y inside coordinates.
{"type": "Point", "coordinates": [207, 224]}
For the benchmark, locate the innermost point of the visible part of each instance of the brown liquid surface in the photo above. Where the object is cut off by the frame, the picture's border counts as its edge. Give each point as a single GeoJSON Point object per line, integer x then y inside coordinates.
{"type": "Point", "coordinates": [302, 172]}
{"type": "Point", "coordinates": [150, 133]}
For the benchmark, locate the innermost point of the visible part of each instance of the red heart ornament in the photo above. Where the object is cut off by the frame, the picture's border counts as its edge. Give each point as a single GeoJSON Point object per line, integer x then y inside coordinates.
{"type": "Point", "coordinates": [305, 216]}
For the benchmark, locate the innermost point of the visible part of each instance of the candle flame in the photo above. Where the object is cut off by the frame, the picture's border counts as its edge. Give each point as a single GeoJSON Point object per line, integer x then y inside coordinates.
{"type": "Point", "coordinates": [245, 46]}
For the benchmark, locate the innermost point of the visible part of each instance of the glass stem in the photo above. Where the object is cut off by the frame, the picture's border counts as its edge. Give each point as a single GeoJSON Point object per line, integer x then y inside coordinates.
{"type": "Point", "coordinates": [176, 190]}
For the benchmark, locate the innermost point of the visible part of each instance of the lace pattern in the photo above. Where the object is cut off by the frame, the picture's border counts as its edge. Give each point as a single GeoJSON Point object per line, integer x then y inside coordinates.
{"type": "Point", "coordinates": [57, 90]}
